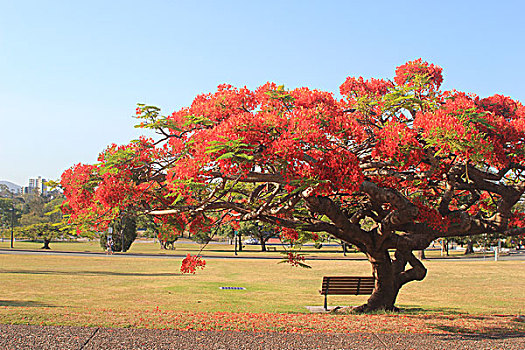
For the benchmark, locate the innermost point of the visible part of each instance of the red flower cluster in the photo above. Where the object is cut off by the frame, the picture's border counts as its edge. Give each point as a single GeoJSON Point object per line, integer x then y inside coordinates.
{"type": "Point", "coordinates": [96, 194]}
{"type": "Point", "coordinates": [357, 87]}
{"type": "Point", "coordinates": [503, 106]}
{"type": "Point", "coordinates": [200, 224]}
{"type": "Point", "coordinates": [404, 135]}
{"type": "Point", "coordinates": [289, 234]}
{"type": "Point", "coordinates": [295, 259]}
{"type": "Point", "coordinates": [517, 220]}
{"type": "Point", "coordinates": [508, 119]}
{"type": "Point", "coordinates": [398, 142]}
{"type": "Point", "coordinates": [170, 227]}
{"type": "Point", "coordinates": [75, 182]}
{"type": "Point", "coordinates": [460, 128]}
{"type": "Point", "coordinates": [191, 263]}
{"type": "Point", "coordinates": [405, 74]}
{"type": "Point", "coordinates": [431, 217]}
{"type": "Point", "coordinates": [298, 133]}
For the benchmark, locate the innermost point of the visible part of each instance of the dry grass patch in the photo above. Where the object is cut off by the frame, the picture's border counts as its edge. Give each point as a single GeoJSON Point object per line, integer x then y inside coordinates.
{"type": "Point", "coordinates": [131, 292]}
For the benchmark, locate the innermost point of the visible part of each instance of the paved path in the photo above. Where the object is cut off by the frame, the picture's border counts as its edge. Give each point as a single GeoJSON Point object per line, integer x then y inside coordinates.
{"type": "Point", "coordinates": [161, 256]}
{"type": "Point", "coordinates": [519, 255]}
{"type": "Point", "coordinates": [80, 338]}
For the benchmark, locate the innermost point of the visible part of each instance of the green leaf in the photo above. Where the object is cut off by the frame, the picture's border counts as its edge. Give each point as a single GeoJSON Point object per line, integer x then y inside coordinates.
{"type": "Point", "coordinates": [226, 155]}
{"type": "Point", "coordinates": [245, 156]}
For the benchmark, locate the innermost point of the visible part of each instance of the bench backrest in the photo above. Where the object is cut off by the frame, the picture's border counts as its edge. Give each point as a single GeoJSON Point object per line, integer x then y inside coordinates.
{"type": "Point", "coordinates": [344, 285]}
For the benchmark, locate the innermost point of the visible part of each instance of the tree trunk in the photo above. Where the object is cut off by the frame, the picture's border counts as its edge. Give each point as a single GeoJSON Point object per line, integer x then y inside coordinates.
{"type": "Point", "coordinates": [390, 276]}
{"type": "Point", "coordinates": [470, 247]}
{"type": "Point", "coordinates": [444, 247]}
{"type": "Point", "coordinates": [239, 238]}
{"type": "Point", "coordinates": [422, 254]}
{"type": "Point", "coordinates": [46, 244]}
{"type": "Point", "coordinates": [385, 291]}
{"type": "Point", "coordinates": [263, 245]}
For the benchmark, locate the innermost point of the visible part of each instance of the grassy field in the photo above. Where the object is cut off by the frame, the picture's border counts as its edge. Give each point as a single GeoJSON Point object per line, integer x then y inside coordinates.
{"type": "Point", "coordinates": [115, 282]}
{"type": "Point", "coordinates": [116, 291]}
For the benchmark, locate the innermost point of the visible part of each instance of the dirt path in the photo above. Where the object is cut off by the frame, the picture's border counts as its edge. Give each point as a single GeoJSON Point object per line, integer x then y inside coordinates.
{"type": "Point", "coordinates": [83, 338]}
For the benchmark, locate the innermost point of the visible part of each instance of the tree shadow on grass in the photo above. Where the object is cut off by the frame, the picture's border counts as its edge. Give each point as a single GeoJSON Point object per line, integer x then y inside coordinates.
{"type": "Point", "coordinates": [92, 273]}
{"type": "Point", "coordinates": [24, 303]}
{"type": "Point", "coordinates": [487, 333]}
{"type": "Point", "coordinates": [437, 318]}
{"type": "Point", "coordinates": [506, 326]}
{"type": "Point", "coordinates": [416, 310]}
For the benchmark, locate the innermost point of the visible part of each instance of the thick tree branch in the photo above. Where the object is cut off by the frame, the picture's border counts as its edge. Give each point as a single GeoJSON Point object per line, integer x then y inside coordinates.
{"type": "Point", "coordinates": [416, 273]}
{"type": "Point", "coordinates": [349, 232]}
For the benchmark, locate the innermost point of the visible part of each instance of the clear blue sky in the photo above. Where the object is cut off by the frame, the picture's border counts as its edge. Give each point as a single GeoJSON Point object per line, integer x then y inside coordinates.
{"type": "Point", "coordinates": [71, 72]}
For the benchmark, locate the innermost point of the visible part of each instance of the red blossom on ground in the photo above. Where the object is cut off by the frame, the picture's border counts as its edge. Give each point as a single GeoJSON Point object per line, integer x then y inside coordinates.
{"type": "Point", "coordinates": [302, 323]}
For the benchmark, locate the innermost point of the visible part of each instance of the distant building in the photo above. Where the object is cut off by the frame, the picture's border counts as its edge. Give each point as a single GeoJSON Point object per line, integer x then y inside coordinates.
{"type": "Point", "coordinates": [36, 185]}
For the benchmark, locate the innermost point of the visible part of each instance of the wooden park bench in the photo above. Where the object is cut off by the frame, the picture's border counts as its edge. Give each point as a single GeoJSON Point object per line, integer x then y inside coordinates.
{"type": "Point", "coordinates": [271, 248]}
{"type": "Point", "coordinates": [346, 285]}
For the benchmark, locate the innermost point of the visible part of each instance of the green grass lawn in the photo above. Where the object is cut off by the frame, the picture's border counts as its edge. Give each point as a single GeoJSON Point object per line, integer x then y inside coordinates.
{"type": "Point", "coordinates": [52, 288]}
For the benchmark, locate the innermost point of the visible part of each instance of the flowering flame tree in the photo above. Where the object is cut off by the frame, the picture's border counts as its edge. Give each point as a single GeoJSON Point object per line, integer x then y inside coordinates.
{"type": "Point", "coordinates": [388, 167]}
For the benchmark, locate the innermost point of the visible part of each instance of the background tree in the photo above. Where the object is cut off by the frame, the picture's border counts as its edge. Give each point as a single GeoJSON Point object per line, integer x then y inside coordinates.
{"type": "Point", "coordinates": [163, 230]}
{"type": "Point", "coordinates": [123, 235]}
{"type": "Point", "coordinates": [42, 231]}
{"type": "Point", "coordinates": [417, 162]}
{"type": "Point", "coordinates": [41, 218]}
{"type": "Point", "coordinates": [10, 213]}
{"type": "Point", "coordinates": [260, 231]}
{"type": "Point", "coordinates": [225, 231]}
{"type": "Point", "coordinates": [114, 190]}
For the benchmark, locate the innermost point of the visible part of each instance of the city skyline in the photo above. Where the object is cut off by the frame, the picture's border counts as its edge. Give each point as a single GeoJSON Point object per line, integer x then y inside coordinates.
{"type": "Point", "coordinates": [31, 184]}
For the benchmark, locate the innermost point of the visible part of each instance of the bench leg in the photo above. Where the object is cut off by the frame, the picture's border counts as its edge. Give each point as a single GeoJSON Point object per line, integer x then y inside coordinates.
{"type": "Point", "coordinates": [325, 302]}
